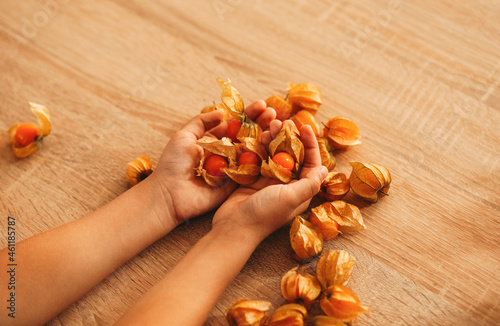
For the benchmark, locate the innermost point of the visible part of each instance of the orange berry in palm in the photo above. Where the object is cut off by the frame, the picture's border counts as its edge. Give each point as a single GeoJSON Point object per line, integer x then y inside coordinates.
{"type": "Point", "coordinates": [214, 164]}
{"type": "Point", "coordinates": [285, 160]}
{"type": "Point", "coordinates": [248, 158]}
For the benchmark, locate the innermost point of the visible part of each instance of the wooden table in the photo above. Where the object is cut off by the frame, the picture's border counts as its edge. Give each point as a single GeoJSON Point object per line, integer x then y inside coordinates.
{"type": "Point", "coordinates": [420, 78]}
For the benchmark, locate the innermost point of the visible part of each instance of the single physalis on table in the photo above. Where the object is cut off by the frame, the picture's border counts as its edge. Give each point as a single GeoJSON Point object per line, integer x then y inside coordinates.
{"type": "Point", "coordinates": [26, 138]}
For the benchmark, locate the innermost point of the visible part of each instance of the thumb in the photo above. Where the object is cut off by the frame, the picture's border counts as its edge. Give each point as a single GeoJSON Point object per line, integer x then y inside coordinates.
{"type": "Point", "coordinates": [308, 186]}
{"type": "Point", "coordinates": [204, 122]}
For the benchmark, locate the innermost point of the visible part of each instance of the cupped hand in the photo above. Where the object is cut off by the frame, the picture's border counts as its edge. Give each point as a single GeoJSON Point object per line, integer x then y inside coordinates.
{"type": "Point", "coordinates": [266, 205]}
{"type": "Point", "coordinates": [184, 195]}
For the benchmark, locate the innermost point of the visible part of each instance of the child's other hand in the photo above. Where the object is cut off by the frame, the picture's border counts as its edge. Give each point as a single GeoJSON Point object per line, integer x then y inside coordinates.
{"type": "Point", "coordinates": [182, 193]}
{"type": "Point", "coordinates": [266, 205]}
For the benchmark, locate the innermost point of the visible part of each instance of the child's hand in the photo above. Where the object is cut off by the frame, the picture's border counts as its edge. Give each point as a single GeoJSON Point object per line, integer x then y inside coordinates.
{"type": "Point", "coordinates": [266, 205]}
{"type": "Point", "coordinates": [183, 194]}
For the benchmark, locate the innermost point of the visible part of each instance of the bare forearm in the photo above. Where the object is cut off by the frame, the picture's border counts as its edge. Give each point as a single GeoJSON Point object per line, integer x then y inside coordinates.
{"type": "Point", "coordinates": [59, 266]}
{"type": "Point", "coordinates": [187, 294]}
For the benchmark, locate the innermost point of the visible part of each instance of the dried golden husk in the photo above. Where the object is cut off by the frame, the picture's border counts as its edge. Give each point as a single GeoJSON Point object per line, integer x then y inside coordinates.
{"type": "Point", "coordinates": [214, 107]}
{"type": "Point", "coordinates": [341, 303]}
{"type": "Point", "coordinates": [304, 117]}
{"type": "Point", "coordinates": [328, 226]}
{"type": "Point", "coordinates": [369, 181]}
{"type": "Point", "coordinates": [276, 171]}
{"type": "Point", "coordinates": [305, 96]}
{"type": "Point", "coordinates": [138, 170]}
{"type": "Point", "coordinates": [281, 106]}
{"type": "Point", "coordinates": [231, 98]}
{"type": "Point", "coordinates": [341, 132]}
{"type": "Point", "coordinates": [291, 314]}
{"type": "Point", "coordinates": [288, 141]}
{"type": "Point", "coordinates": [211, 180]}
{"type": "Point", "coordinates": [44, 127]}
{"type": "Point", "coordinates": [327, 321]}
{"type": "Point", "coordinates": [211, 145]}
{"type": "Point", "coordinates": [335, 186]}
{"type": "Point", "coordinates": [248, 313]}
{"type": "Point", "coordinates": [243, 174]}
{"type": "Point", "coordinates": [249, 129]}
{"type": "Point", "coordinates": [252, 145]}
{"type": "Point", "coordinates": [334, 268]}
{"type": "Point", "coordinates": [306, 239]}
{"type": "Point", "coordinates": [326, 152]}
{"type": "Point", "coordinates": [223, 147]}
{"type": "Point", "coordinates": [247, 173]}
{"type": "Point", "coordinates": [347, 216]}
{"type": "Point", "coordinates": [298, 286]}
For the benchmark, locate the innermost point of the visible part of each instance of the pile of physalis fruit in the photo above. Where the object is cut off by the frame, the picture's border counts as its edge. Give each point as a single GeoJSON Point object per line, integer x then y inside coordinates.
{"type": "Point", "coordinates": [242, 157]}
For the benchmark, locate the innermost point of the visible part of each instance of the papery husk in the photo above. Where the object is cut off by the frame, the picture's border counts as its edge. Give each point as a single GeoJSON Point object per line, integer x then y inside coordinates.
{"type": "Point", "coordinates": [252, 145]}
{"type": "Point", "coordinates": [369, 181]}
{"type": "Point", "coordinates": [44, 128]}
{"type": "Point", "coordinates": [387, 178]}
{"type": "Point", "coordinates": [297, 285]}
{"type": "Point", "coordinates": [25, 151]}
{"type": "Point", "coordinates": [341, 132]}
{"type": "Point", "coordinates": [304, 117]}
{"type": "Point", "coordinates": [231, 98]}
{"type": "Point", "coordinates": [243, 174]}
{"type": "Point", "coordinates": [306, 239]}
{"type": "Point", "coordinates": [211, 180]}
{"type": "Point", "coordinates": [247, 173]}
{"type": "Point", "coordinates": [327, 321]}
{"type": "Point", "coordinates": [214, 107]}
{"type": "Point", "coordinates": [249, 129]}
{"type": "Point", "coordinates": [287, 140]}
{"type": "Point", "coordinates": [347, 216]}
{"type": "Point", "coordinates": [281, 106]}
{"type": "Point", "coordinates": [138, 170]}
{"type": "Point", "coordinates": [326, 152]}
{"type": "Point", "coordinates": [291, 314]}
{"type": "Point", "coordinates": [272, 170]}
{"type": "Point", "coordinates": [223, 147]}
{"type": "Point", "coordinates": [341, 303]}
{"type": "Point", "coordinates": [43, 115]}
{"type": "Point", "coordinates": [248, 313]}
{"type": "Point", "coordinates": [305, 96]}
{"type": "Point", "coordinates": [19, 150]}
{"type": "Point", "coordinates": [334, 268]}
{"type": "Point", "coordinates": [328, 226]}
{"type": "Point", "coordinates": [335, 186]}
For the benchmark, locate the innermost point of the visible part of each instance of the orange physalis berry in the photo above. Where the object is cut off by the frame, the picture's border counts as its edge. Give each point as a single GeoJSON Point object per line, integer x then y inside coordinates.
{"type": "Point", "coordinates": [285, 160]}
{"type": "Point", "coordinates": [26, 133]}
{"type": "Point", "coordinates": [214, 164]}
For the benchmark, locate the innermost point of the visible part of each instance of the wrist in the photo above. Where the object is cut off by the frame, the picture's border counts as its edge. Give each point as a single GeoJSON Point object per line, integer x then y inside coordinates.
{"type": "Point", "coordinates": [158, 205]}
{"type": "Point", "coordinates": [237, 235]}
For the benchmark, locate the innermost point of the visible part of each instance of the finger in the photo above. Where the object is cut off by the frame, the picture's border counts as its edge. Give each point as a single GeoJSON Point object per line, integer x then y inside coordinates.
{"type": "Point", "coordinates": [266, 138]}
{"type": "Point", "coordinates": [266, 117]}
{"type": "Point", "coordinates": [255, 109]}
{"type": "Point", "coordinates": [307, 187]}
{"type": "Point", "coordinates": [203, 122]}
{"type": "Point", "coordinates": [275, 127]}
{"type": "Point", "coordinates": [219, 131]}
{"type": "Point", "coordinates": [312, 157]}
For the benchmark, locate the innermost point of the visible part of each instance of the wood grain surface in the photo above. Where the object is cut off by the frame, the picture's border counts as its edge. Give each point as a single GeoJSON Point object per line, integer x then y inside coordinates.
{"type": "Point", "coordinates": [420, 78]}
